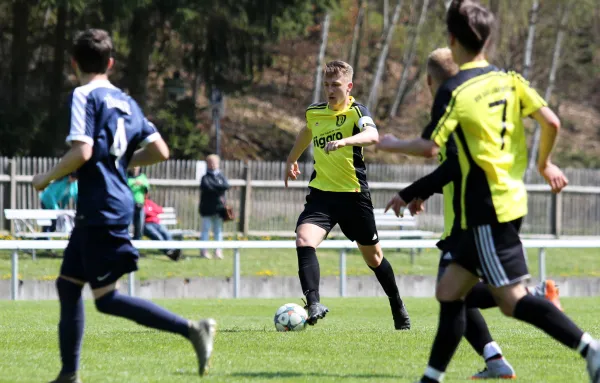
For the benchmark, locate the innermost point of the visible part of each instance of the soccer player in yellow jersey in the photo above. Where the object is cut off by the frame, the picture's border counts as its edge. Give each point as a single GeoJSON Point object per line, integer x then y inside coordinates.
{"type": "Point", "coordinates": [339, 193]}
{"type": "Point", "coordinates": [483, 106]}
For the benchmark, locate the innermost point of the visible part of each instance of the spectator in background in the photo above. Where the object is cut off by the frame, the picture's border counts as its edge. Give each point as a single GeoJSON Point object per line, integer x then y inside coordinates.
{"type": "Point", "coordinates": [154, 230]}
{"type": "Point", "coordinates": [138, 183]}
{"type": "Point", "coordinates": [58, 195]}
{"type": "Point", "coordinates": [212, 203]}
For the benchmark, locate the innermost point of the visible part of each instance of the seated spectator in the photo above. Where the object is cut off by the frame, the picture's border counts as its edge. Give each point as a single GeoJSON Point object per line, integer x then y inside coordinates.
{"type": "Point", "coordinates": [58, 195]}
{"type": "Point", "coordinates": [212, 203]}
{"type": "Point", "coordinates": [154, 230]}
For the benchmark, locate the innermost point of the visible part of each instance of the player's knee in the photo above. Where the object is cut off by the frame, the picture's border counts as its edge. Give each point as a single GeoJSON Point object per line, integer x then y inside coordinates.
{"type": "Point", "coordinates": [303, 240]}
{"type": "Point", "coordinates": [445, 293]}
{"type": "Point", "coordinates": [506, 308]}
{"type": "Point", "coordinates": [67, 290]}
{"type": "Point", "coordinates": [104, 304]}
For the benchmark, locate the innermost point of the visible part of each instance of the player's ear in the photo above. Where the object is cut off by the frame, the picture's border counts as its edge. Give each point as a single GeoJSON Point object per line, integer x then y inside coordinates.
{"type": "Point", "coordinates": [350, 85]}
{"type": "Point", "coordinates": [111, 62]}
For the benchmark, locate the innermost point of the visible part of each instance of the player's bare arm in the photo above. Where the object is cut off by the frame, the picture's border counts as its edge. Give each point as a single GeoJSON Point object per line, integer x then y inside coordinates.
{"type": "Point", "coordinates": [303, 139]}
{"type": "Point", "coordinates": [418, 147]}
{"type": "Point", "coordinates": [154, 152]}
{"type": "Point", "coordinates": [550, 125]}
{"type": "Point", "coordinates": [79, 153]}
{"type": "Point", "coordinates": [367, 137]}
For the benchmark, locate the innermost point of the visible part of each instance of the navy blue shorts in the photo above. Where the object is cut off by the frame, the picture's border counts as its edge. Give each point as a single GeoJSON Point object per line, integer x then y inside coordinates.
{"type": "Point", "coordinates": [99, 255]}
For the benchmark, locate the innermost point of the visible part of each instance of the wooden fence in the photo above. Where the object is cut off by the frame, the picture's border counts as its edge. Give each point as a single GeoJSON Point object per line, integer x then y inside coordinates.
{"type": "Point", "coordinates": [263, 205]}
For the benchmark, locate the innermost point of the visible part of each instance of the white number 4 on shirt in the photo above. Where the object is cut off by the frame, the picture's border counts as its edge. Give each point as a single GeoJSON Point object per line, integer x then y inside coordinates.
{"type": "Point", "coordinates": [119, 146]}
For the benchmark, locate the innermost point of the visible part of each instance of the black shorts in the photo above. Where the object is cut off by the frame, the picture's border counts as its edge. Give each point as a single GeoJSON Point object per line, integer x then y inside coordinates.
{"type": "Point", "coordinates": [99, 255]}
{"type": "Point", "coordinates": [494, 252]}
{"type": "Point", "coordinates": [352, 211]}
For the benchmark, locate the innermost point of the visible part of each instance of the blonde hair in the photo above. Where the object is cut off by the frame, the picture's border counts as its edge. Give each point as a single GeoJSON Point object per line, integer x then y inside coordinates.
{"type": "Point", "coordinates": [213, 157]}
{"type": "Point", "coordinates": [440, 65]}
{"type": "Point", "coordinates": [338, 67]}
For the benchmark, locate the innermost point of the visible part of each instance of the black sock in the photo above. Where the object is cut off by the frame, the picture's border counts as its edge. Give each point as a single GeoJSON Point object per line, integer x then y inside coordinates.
{"type": "Point", "coordinates": [451, 328]}
{"type": "Point", "coordinates": [477, 332]}
{"type": "Point", "coordinates": [385, 275]}
{"type": "Point", "coordinates": [143, 312]}
{"type": "Point", "coordinates": [309, 273]}
{"type": "Point", "coordinates": [70, 327]}
{"type": "Point", "coordinates": [545, 316]}
{"type": "Point", "coordinates": [480, 297]}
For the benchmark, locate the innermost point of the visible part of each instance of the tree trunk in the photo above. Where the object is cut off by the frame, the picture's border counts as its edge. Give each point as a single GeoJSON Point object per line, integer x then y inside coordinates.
{"type": "Point", "coordinates": [408, 60]}
{"type": "Point", "coordinates": [551, 81]}
{"type": "Point", "coordinates": [372, 101]}
{"type": "Point", "coordinates": [386, 17]}
{"type": "Point", "coordinates": [141, 43]}
{"type": "Point", "coordinates": [447, 4]}
{"type": "Point", "coordinates": [533, 13]}
{"type": "Point", "coordinates": [319, 69]}
{"type": "Point", "coordinates": [497, 32]}
{"type": "Point", "coordinates": [354, 57]}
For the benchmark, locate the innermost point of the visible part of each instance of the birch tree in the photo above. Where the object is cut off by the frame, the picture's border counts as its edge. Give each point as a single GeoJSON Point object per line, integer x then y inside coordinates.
{"type": "Point", "coordinates": [408, 59]}
{"type": "Point", "coordinates": [533, 13]}
{"type": "Point", "coordinates": [354, 56]}
{"type": "Point", "coordinates": [551, 81]}
{"type": "Point", "coordinates": [319, 69]}
{"type": "Point", "coordinates": [372, 101]}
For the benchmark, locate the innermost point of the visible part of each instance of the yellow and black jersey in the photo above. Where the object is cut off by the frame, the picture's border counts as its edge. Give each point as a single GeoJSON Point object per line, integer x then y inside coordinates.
{"type": "Point", "coordinates": [343, 170]}
{"type": "Point", "coordinates": [482, 107]}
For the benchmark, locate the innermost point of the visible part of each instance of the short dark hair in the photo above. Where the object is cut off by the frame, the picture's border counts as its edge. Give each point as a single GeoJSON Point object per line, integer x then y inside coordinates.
{"type": "Point", "coordinates": [471, 24]}
{"type": "Point", "coordinates": [92, 49]}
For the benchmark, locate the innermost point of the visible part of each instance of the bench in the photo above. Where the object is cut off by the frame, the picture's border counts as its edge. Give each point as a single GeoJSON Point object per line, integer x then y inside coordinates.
{"type": "Point", "coordinates": [28, 222]}
{"type": "Point", "coordinates": [390, 226]}
{"type": "Point", "coordinates": [168, 218]}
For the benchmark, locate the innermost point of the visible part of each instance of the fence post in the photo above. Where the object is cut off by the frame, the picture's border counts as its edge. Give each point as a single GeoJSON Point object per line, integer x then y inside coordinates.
{"type": "Point", "coordinates": [557, 214]}
{"type": "Point", "coordinates": [13, 190]}
{"type": "Point", "coordinates": [343, 273]}
{"type": "Point", "coordinates": [131, 284]}
{"type": "Point", "coordinates": [14, 276]}
{"type": "Point", "coordinates": [236, 273]}
{"type": "Point", "coordinates": [246, 201]}
{"type": "Point", "coordinates": [542, 263]}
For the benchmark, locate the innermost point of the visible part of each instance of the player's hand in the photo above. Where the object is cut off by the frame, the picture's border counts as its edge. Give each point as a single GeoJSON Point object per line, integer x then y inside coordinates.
{"type": "Point", "coordinates": [292, 170]}
{"type": "Point", "coordinates": [40, 182]}
{"type": "Point", "coordinates": [396, 204]}
{"type": "Point", "coordinates": [386, 142]}
{"type": "Point", "coordinates": [416, 206]}
{"type": "Point", "coordinates": [554, 176]}
{"type": "Point", "coordinates": [332, 146]}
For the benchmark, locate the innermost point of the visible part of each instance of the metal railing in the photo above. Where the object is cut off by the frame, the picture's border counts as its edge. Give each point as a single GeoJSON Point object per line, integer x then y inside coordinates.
{"type": "Point", "coordinates": [342, 245]}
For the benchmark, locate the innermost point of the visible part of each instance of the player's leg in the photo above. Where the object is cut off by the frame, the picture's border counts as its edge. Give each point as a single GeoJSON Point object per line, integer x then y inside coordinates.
{"type": "Point", "coordinates": [502, 254]}
{"type": "Point", "coordinates": [450, 291]}
{"type": "Point", "coordinates": [478, 334]}
{"type": "Point", "coordinates": [314, 223]}
{"type": "Point", "coordinates": [357, 221]}
{"type": "Point", "coordinates": [373, 256]}
{"type": "Point", "coordinates": [308, 238]}
{"type": "Point", "coordinates": [72, 316]}
{"type": "Point", "coordinates": [110, 255]}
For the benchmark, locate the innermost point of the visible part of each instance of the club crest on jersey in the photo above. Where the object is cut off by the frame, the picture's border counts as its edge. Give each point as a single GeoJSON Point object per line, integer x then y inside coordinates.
{"type": "Point", "coordinates": [339, 120]}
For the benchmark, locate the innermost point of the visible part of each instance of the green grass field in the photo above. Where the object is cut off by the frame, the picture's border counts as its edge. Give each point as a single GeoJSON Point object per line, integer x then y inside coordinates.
{"type": "Point", "coordinates": [355, 343]}
{"type": "Point", "coordinates": [260, 262]}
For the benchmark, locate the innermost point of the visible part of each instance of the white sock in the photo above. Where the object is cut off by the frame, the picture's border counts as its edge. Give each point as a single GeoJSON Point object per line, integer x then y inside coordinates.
{"type": "Point", "coordinates": [586, 339]}
{"type": "Point", "coordinates": [490, 350]}
{"type": "Point", "coordinates": [432, 373]}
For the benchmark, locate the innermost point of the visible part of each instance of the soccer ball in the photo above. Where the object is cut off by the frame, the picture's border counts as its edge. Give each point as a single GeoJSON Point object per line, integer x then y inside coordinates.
{"type": "Point", "coordinates": [290, 317]}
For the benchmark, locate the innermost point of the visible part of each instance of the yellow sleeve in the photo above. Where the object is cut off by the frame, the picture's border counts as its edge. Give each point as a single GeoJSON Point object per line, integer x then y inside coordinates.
{"type": "Point", "coordinates": [529, 98]}
{"type": "Point", "coordinates": [444, 117]}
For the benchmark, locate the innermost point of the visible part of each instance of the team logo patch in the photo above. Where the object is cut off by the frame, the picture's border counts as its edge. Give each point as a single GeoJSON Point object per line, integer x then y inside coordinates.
{"type": "Point", "coordinates": [339, 120]}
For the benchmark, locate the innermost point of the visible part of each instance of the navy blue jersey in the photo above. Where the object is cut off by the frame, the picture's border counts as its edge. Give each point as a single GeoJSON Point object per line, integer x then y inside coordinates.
{"type": "Point", "coordinates": [105, 117]}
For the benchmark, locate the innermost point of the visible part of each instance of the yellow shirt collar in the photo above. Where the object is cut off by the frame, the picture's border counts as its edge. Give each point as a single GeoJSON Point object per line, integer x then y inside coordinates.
{"type": "Point", "coordinates": [475, 64]}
